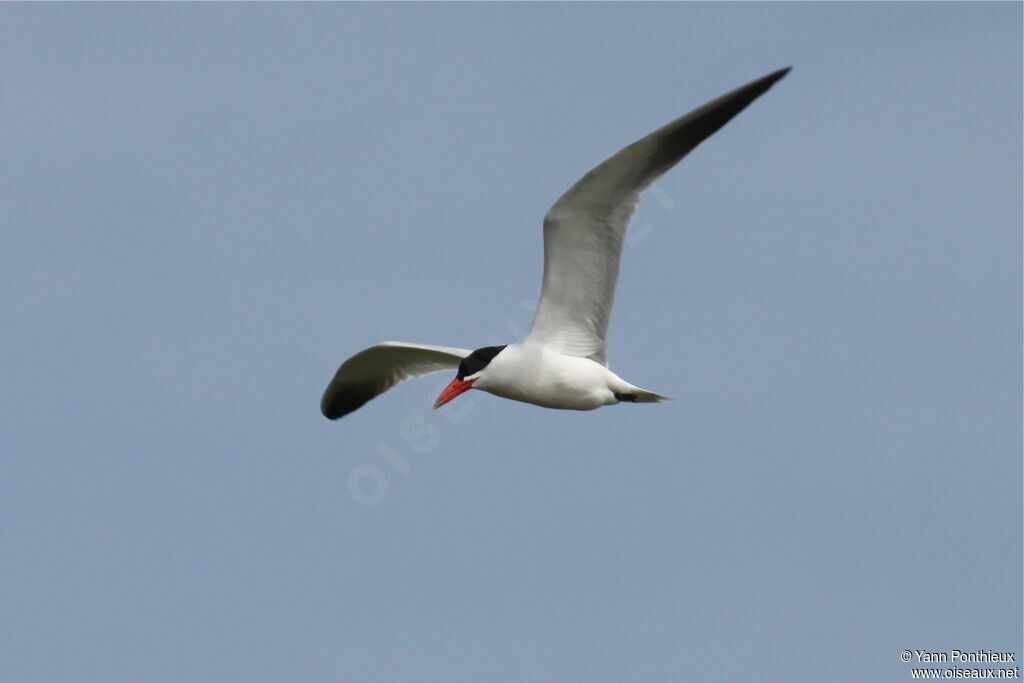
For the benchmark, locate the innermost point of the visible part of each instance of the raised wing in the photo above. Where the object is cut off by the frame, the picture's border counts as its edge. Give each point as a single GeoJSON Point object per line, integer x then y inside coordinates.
{"type": "Point", "coordinates": [375, 370]}
{"type": "Point", "coordinates": [584, 230]}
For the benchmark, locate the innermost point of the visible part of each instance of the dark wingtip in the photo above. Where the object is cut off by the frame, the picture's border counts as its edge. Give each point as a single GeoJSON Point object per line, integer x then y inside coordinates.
{"type": "Point", "coordinates": [775, 76]}
{"type": "Point", "coordinates": [329, 410]}
{"type": "Point", "coordinates": [331, 416]}
{"type": "Point", "coordinates": [340, 399]}
{"type": "Point", "coordinates": [736, 101]}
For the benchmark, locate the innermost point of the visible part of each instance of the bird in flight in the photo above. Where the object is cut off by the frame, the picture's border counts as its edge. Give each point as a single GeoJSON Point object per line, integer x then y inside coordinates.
{"type": "Point", "coordinates": [562, 362]}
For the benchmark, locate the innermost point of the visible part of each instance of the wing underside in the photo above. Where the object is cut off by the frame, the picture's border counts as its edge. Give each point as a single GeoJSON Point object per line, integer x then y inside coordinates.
{"type": "Point", "coordinates": [373, 371]}
{"type": "Point", "coordinates": [585, 229]}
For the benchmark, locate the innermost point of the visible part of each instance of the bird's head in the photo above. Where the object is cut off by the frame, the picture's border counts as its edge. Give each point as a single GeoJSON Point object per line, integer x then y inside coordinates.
{"type": "Point", "coordinates": [470, 370]}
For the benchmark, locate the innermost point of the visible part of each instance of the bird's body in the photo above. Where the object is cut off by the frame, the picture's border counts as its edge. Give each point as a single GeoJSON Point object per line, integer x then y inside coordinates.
{"type": "Point", "coordinates": [534, 373]}
{"type": "Point", "coordinates": [562, 363]}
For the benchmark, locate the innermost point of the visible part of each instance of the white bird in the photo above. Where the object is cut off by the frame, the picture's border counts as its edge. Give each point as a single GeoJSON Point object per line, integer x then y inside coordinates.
{"type": "Point", "coordinates": [562, 362]}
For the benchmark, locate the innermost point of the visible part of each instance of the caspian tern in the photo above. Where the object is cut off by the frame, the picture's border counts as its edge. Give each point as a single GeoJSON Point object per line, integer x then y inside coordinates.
{"type": "Point", "coordinates": [562, 362]}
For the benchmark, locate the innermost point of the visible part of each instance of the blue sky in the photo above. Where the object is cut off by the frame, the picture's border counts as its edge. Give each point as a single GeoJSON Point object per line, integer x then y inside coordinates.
{"type": "Point", "coordinates": [206, 208]}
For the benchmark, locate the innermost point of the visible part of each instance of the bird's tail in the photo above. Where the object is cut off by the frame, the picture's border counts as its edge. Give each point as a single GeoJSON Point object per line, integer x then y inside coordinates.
{"type": "Point", "coordinates": [644, 396]}
{"type": "Point", "coordinates": [638, 395]}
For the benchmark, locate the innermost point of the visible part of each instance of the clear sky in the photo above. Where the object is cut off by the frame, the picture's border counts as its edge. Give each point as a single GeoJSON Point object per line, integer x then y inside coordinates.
{"type": "Point", "coordinates": [206, 208]}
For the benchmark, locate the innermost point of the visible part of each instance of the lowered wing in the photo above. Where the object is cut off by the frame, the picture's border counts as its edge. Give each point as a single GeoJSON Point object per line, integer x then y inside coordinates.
{"type": "Point", "coordinates": [375, 370]}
